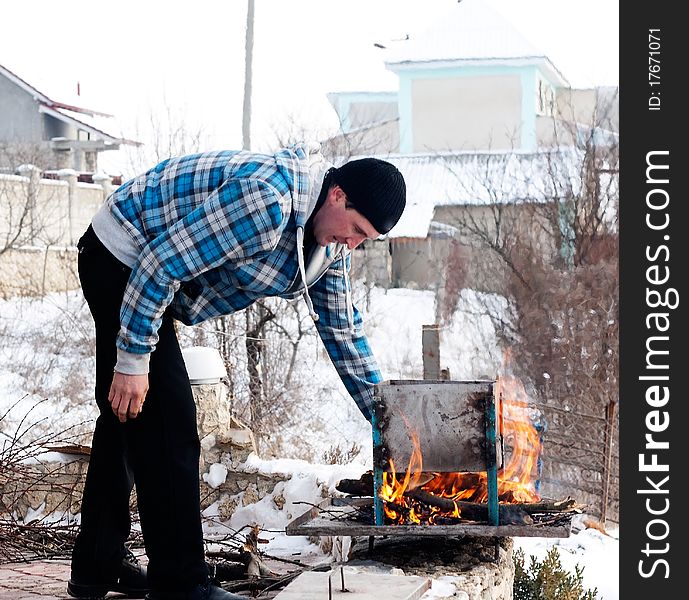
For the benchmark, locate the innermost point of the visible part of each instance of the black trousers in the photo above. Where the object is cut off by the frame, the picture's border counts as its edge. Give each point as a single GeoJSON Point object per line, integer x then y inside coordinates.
{"type": "Point", "coordinates": [158, 451]}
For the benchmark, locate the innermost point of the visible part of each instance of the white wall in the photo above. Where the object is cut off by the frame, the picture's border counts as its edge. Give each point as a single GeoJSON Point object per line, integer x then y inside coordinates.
{"type": "Point", "coordinates": [467, 113]}
{"type": "Point", "coordinates": [40, 222]}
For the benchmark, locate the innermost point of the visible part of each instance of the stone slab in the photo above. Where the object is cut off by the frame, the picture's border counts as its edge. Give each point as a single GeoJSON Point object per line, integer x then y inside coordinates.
{"type": "Point", "coordinates": [360, 586]}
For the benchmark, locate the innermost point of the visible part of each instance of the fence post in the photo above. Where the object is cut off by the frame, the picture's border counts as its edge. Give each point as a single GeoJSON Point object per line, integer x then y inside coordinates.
{"type": "Point", "coordinates": [33, 173]}
{"type": "Point", "coordinates": [70, 176]}
{"type": "Point", "coordinates": [105, 181]}
{"type": "Point", "coordinates": [610, 410]}
{"type": "Point", "coordinates": [430, 342]}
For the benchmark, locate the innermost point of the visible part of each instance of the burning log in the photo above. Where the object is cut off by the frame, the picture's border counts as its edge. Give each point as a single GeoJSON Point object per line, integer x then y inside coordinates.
{"type": "Point", "coordinates": [509, 514]}
{"type": "Point", "coordinates": [544, 506]}
{"type": "Point", "coordinates": [364, 485]}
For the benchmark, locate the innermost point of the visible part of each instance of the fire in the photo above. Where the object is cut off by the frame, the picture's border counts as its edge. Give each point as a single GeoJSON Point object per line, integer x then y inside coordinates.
{"type": "Point", "coordinates": [515, 480]}
{"type": "Point", "coordinates": [393, 489]}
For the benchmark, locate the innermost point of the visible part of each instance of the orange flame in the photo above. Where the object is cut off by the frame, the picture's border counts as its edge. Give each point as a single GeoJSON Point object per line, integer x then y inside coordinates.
{"type": "Point", "coordinates": [515, 480]}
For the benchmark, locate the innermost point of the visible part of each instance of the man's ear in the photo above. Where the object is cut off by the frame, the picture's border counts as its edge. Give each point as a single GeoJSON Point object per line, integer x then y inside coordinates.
{"type": "Point", "coordinates": [338, 194]}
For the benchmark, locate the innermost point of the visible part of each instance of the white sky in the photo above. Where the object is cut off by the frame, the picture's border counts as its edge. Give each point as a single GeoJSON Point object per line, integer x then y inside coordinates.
{"type": "Point", "coordinates": [129, 56]}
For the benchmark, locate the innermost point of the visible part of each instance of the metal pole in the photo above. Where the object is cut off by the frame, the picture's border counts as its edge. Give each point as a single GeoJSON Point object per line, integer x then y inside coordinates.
{"type": "Point", "coordinates": [491, 459]}
{"type": "Point", "coordinates": [248, 56]}
{"type": "Point", "coordinates": [430, 343]}
{"type": "Point", "coordinates": [378, 509]}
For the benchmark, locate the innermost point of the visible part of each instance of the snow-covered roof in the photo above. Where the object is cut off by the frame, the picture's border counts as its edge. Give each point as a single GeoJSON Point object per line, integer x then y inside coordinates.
{"type": "Point", "coordinates": [463, 178]}
{"type": "Point", "coordinates": [473, 33]}
{"type": "Point", "coordinates": [363, 95]}
{"type": "Point", "coordinates": [86, 119]}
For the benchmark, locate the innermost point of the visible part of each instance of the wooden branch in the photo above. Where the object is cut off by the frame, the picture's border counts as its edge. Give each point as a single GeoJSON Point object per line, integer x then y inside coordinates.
{"type": "Point", "coordinates": [240, 556]}
{"type": "Point", "coordinates": [228, 571]}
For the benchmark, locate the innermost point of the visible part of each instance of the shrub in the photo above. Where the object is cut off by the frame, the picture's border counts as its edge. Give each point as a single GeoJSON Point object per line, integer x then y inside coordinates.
{"type": "Point", "coordinates": [337, 455]}
{"type": "Point", "coordinates": [547, 580]}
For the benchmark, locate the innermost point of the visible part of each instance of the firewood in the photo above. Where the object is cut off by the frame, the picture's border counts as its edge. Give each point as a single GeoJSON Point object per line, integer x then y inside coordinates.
{"type": "Point", "coordinates": [240, 556]}
{"type": "Point", "coordinates": [228, 571]}
{"type": "Point", "coordinates": [516, 513]}
{"type": "Point", "coordinates": [357, 487]}
{"type": "Point", "coordinates": [444, 504]}
{"type": "Point", "coordinates": [549, 506]}
{"type": "Point", "coordinates": [507, 496]}
{"type": "Point", "coordinates": [511, 514]}
{"type": "Point", "coordinates": [76, 449]}
{"type": "Point", "coordinates": [403, 510]}
{"type": "Point", "coordinates": [364, 485]}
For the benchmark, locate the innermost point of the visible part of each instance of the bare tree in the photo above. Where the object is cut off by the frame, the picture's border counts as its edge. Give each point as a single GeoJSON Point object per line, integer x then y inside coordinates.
{"type": "Point", "coordinates": [551, 246]}
{"type": "Point", "coordinates": [257, 318]}
{"type": "Point", "coordinates": [17, 211]}
{"type": "Point", "coordinates": [284, 378]}
{"type": "Point", "coordinates": [166, 132]}
{"type": "Point", "coordinates": [27, 213]}
{"type": "Point", "coordinates": [268, 378]}
{"type": "Point", "coordinates": [22, 153]}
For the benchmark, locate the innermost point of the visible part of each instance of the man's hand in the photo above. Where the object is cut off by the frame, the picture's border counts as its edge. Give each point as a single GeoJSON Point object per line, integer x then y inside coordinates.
{"type": "Point", "coordinates": [127, 395]}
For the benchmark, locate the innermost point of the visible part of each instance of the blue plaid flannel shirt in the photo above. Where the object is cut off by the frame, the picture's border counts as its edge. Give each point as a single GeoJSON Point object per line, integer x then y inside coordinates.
{"type": "Point", "coordinates": [217, 231]}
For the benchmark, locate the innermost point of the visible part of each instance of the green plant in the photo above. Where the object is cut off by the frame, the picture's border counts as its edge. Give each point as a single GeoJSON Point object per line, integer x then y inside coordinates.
{"type": "Point", "coordinates": [547, 580]}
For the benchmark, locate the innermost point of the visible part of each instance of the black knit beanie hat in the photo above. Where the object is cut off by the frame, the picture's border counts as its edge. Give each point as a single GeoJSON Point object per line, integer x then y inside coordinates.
{"type": "Point", "coordinates": [376, 189]}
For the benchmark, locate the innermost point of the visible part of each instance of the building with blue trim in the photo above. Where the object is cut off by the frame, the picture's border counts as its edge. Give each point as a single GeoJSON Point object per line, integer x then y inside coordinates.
{"type": "Point", "coordinates": [471, 82]}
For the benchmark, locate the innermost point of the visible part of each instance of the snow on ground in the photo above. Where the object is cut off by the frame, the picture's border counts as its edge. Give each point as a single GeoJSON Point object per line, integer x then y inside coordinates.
{"type": "Point", "coordinates": [46, 367]}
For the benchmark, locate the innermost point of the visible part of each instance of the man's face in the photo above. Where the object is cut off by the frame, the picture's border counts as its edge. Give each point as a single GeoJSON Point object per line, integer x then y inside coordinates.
{"type": "Point", "coordinates": [335, 222]}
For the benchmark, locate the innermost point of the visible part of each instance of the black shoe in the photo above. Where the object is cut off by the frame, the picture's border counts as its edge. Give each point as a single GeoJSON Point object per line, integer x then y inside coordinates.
{"type": "Point", "coordinates": [130, 580]}
{"type": "Point", "coordinates": [206, 591]}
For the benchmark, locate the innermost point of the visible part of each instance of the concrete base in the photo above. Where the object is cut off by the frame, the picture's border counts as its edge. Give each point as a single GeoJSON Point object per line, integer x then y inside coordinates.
{"type": "Point", "coordinates": [359, 586]}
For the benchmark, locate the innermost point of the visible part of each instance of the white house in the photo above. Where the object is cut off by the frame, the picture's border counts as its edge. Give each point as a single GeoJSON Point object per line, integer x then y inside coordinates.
{"type": "Point", "coordinates": [471, 82]}
{"type": "Point", "coordinates": [59, 135]}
